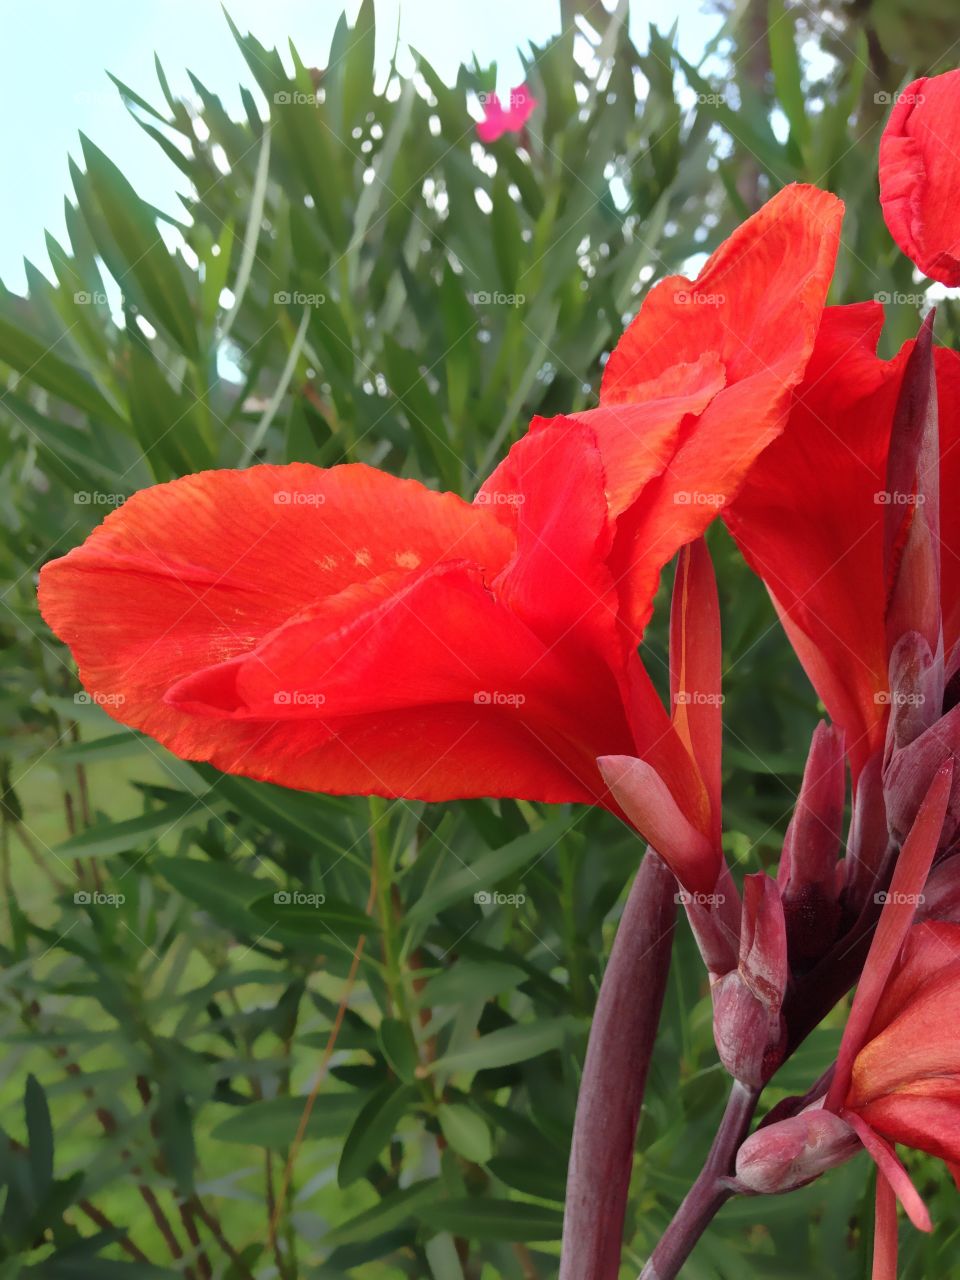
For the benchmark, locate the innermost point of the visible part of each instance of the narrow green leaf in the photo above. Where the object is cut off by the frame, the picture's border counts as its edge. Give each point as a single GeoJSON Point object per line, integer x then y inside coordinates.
{"type": "Point", "coordinates": [373, 1129]}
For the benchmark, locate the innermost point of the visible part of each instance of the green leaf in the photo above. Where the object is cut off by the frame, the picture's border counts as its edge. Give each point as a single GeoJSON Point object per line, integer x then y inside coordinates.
{"type": "Point", "coordinates": [302, 919]}
{"type": "Point", "coordinates": [466, 1132]}
{"type": "Point", "coordinates": [135, 833]}
{"type": "Point", "coordinates": [399, 1048]}
{"type": "Point", "coordinates": [143, 254]}
{"type": "Point", "coordinates": [38, 363]}
{"type": "Point", "coordinates": [477, 1219]}
{"type": "Point", "coordinates": [787, 73]}
{"type": "Point", "coordinates": [486, 872]}
{"type": "Point", "coordinates": [468, 980]}
{"type": "Point", "coordinates": [394, 1209]}
{"type": "Point", "coordinates": [275, 1122]}
{"type": "Point", "coordinates": [39, 1138]}
{"type": "Point", "coordinates": [509, 1045]}
{"type": "Point", "coordinates": [373, 1129]}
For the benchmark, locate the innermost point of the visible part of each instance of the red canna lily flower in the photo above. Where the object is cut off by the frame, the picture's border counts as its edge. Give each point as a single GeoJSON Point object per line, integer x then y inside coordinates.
{"type": "Point", "coordinates": [346, 631]}
{"type": "Point", "coordinates": [817, 506]}
{"type": "Point", "coordinates": [498, 120]}
{"type": "Point", "coordinates": [920, 174]}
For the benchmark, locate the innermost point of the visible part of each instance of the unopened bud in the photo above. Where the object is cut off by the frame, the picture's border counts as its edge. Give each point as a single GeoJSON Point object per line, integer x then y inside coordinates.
{"type": "Point", "coordinates": [911, 550]}
{"type": "Point", "coordinates": [789, 1154]}
{"type": "Point", "coordinates": [916, 691]}
{"type": "Point", "coordinates": [910, 771]}
{"type": "Point", "coordinates": [868, 837]}
{"type": "Point", "coordinates": [807, 875]}
{"type": "Point", "coordinates": [748, 1025]}
{"type": "Point", "coordinates": [941, 893]}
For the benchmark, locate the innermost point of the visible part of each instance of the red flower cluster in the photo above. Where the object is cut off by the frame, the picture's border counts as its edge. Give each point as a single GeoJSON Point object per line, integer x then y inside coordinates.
{"type": "Point", "coordinates": [343, 630]}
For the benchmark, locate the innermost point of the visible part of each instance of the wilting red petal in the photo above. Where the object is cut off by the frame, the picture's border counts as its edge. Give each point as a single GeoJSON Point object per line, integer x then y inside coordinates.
{"type": "Point", "coordinates": [165, 604]}
{"type": "Point", "coordinates": [913, 866]}
{"type": "Point", "coordinates": [647, 801]}
{"type": "Point", "coordinates": [889, 1167]}
{"type": "Point", "coordinates": [755, 309]}
{"type": "Point", "coordinates": [920, 174]}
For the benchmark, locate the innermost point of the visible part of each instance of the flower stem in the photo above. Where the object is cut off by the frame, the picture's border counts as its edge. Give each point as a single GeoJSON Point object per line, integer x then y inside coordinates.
{"type": "Point", "coordinates": [709, 1192]}
{"type": "Point", "coordinates": [614, 1074]}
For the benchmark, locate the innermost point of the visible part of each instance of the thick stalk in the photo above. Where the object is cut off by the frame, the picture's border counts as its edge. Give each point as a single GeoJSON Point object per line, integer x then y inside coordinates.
{"type": "Point", "coordinates": [614, 1075]}
{"type": "Point", "coordinates": [709, 1192]}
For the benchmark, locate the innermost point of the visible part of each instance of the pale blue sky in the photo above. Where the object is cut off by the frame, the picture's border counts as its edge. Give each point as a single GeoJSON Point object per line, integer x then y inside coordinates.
{"type": "Point", "coordinates": [55, 54]}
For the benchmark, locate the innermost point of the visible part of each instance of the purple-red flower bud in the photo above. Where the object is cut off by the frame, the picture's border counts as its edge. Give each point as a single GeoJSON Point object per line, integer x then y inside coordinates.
{"type": "Point", "coordinates": [808, 873]}
{"type": "Point", "coordinates": [748, 1024]}
{"type": "Point", "coordinates": [910, 771]}
{"type": "Point", "coordinates": [791, 1153]}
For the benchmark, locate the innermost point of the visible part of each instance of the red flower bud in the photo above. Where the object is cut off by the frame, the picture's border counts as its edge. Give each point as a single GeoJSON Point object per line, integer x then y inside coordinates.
{"type": "Point", "coordinates": [807, 875]}
{"type": "Point", "coordinates": [791, 1153]}
{"type": "Point", "coordinates": [748, 1025]}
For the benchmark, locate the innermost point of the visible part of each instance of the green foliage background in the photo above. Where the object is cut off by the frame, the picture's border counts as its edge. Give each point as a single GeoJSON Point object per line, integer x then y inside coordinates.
{"type": "Point", "coordinates": [352, 277]}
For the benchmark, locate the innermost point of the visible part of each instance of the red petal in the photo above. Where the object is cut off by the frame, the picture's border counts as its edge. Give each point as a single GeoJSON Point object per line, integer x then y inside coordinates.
{"type": "Point", "coordinates": [929, 948]}
{"type": "Point", "coordinates": [192, 576]}
{"type": "Point", "coordinates": [913, 866]}
{"type": "Point", "coordinates": [695, 662]}
{"type": "Point", "coordinates": [809, 522]}
{"type": "Point", "coordinates": [885, 1236]}
{"type": "Point", "coordinates": [890, 1168]}
{"type": "Point", "coordinates": [925, 1117]}
{"type": "Point", "coordinates": [919, 1044]}
{"type": "Point", "coordinates": [920, 174]}
{"type": "Point", "coordinates": [755, 308]}
{"type": "Point", "coordinates": [648, 803]}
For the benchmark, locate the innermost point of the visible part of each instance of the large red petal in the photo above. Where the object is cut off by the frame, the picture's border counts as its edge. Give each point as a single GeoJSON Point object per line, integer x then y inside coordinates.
{"type": "Point", "coordinates": [755, 309]}
{"type": "Point", "coordinates": [810, 522]}
{"type": "Point", "coordinates": [920, 174]}
{"type": "Point", "coordinates": [191, 576]}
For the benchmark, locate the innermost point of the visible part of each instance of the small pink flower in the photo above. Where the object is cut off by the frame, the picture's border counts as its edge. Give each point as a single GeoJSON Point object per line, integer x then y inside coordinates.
{"type": "Point", "coordinates": [497, 121]}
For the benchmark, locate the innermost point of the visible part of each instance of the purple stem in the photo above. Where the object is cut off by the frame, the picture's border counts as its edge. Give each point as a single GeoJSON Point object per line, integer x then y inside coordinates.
{"type": "Point", "coordinates": [614, 1075]}
{"type": "Point", "coordinates": [710, 1191]}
